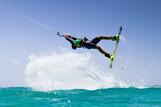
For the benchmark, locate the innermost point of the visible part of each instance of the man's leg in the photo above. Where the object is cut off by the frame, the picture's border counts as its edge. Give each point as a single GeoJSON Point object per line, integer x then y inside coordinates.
{"type": "Point", "coordinates": [113, 38]}
{"type": "Point", "coordinates": [105, 37]}
{"type": "Point", "coordinates": [96, 40]}
{"type": "Point", "coordinates": [102, 51]}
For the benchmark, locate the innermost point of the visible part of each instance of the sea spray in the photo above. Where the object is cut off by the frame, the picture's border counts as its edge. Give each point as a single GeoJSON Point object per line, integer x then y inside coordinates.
{"type": "Point", "coordinates": [66, 70]}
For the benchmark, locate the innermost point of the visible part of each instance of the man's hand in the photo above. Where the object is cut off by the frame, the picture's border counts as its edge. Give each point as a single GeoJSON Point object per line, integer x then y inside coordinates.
{"type": "Point", "coordinates": [67, 35]}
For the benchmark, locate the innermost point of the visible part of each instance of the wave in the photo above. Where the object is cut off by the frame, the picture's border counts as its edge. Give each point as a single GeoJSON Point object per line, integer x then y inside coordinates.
{"type": "Point", "coordinates": [21, 96]}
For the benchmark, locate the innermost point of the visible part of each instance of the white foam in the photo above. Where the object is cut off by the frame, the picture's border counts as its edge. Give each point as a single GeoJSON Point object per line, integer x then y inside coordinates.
{"type": "Point", "coordinates": [67, 70]}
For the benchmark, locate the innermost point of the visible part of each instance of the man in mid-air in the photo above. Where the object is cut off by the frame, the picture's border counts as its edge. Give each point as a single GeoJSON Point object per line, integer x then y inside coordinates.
{"type": "Point", "coordinates": [90, 44]}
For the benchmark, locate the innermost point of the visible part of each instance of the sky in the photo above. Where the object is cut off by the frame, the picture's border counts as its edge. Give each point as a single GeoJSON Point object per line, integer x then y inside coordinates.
{"type": "Point", "coordinates": [26, 25]}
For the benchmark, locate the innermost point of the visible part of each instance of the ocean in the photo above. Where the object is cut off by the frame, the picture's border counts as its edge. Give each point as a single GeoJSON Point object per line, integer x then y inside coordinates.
{"type": "Point", "coordinates": [58, 80]}
{"type": "Point", "coordinates": [110, 97]}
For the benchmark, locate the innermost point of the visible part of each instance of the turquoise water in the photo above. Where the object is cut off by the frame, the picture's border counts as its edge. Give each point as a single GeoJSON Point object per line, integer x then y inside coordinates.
{"type": "Point", "coordinates": [112, 97]}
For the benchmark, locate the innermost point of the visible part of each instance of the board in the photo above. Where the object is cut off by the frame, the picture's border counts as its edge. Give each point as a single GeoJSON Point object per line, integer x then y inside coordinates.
{"type": "Point", "coordinates": [116, 47]}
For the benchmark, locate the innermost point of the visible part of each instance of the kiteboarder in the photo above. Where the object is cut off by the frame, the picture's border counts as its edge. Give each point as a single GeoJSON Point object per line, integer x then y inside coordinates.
{"type": "Point", "coordinates": [90, 44]}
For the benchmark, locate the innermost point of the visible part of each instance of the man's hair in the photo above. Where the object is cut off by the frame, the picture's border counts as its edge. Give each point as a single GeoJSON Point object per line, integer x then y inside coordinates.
{"type": "Point", "coordinates": [74, 47]}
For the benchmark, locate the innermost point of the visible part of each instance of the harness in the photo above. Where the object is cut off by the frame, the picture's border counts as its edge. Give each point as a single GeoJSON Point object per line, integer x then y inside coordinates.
{"type": "Point", "coordinates": [77, 42]}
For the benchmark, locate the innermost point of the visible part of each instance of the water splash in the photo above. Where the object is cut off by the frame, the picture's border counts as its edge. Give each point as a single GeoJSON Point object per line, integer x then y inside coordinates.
{"type": "Point", "coordinates": [66, 70]}
{"type": "Point", "coordinates": [123, 38]}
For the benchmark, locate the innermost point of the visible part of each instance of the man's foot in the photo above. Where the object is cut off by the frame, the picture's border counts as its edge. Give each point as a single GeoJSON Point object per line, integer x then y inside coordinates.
{"type": "Point", "coordinates": [116, 38]}
{"type": "Point", "coordinates": [111, 60]}
{"type": "Point", "coordinates": [112, 57]}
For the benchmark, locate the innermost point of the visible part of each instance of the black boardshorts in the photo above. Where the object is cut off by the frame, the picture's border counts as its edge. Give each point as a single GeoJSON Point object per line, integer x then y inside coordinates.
{"type": "Point", "coordinates": [92, 44]}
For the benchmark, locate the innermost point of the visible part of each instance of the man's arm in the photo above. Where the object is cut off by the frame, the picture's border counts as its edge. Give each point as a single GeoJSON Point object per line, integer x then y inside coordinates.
{"type": "Point", "coordinates": [70, 36]}
{"type": "Point", "coordinates": [69, 39]}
